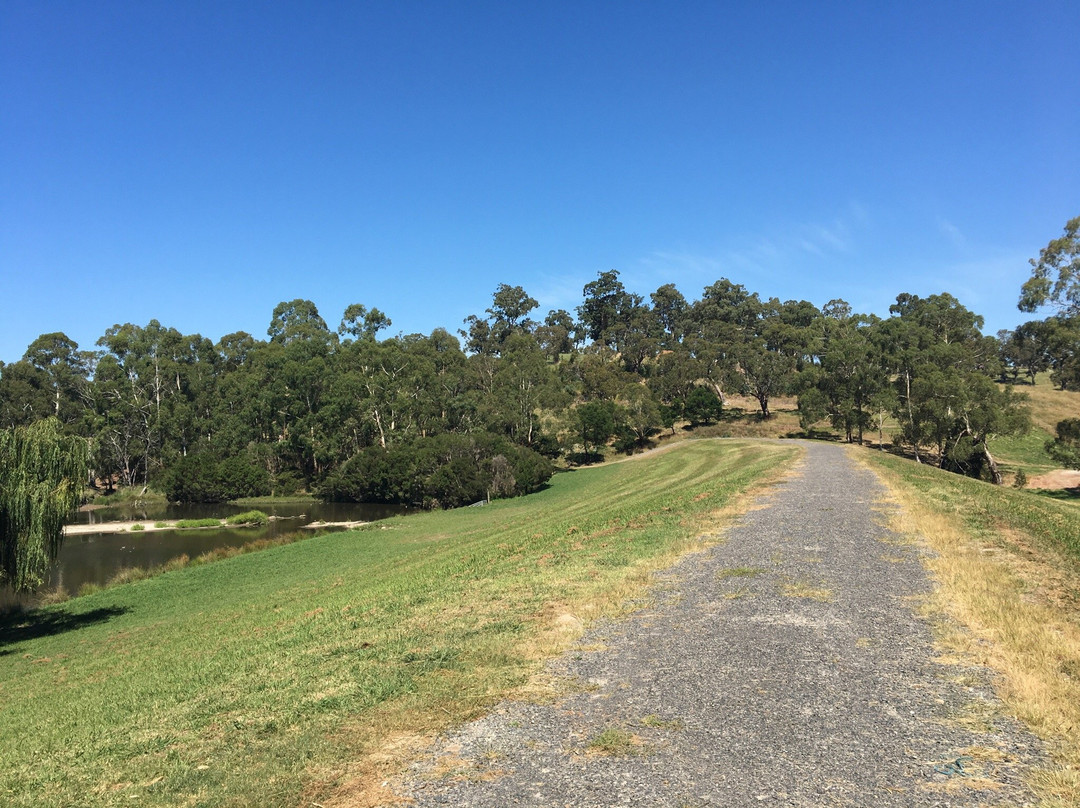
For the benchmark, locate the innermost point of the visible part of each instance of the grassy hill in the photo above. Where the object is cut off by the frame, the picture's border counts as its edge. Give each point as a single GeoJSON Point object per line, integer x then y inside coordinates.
{"type": "Point", "coordinates": [289, 673]}
{"type": "Point", "coordinates": [1048, 406]}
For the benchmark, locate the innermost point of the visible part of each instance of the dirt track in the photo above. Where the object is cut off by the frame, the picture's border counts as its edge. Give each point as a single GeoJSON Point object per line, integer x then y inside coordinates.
{"type": "Point", "coordinates": [785, 667]}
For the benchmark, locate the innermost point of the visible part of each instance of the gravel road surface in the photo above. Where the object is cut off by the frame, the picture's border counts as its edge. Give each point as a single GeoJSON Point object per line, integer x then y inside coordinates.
{"type": "Point", "coordinates": [786, 666]}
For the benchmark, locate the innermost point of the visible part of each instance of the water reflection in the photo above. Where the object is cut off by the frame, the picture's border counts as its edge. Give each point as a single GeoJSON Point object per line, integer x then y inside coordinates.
{"type": "Point", "coordinates": [93, 558]}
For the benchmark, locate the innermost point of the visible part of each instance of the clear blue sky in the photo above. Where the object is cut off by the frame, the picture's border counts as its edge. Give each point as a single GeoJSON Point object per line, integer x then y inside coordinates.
{"type": "Point", "coordinates": [199, 162]}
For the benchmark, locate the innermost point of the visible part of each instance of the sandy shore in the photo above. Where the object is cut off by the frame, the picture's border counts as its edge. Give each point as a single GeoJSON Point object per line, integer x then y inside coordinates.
{"type": "Point", "coordinates": [151, 526]}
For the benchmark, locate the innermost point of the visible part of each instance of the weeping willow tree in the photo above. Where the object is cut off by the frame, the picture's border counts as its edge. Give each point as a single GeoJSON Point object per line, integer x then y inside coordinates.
{"type": "Point", "coordinates": [41, 475]}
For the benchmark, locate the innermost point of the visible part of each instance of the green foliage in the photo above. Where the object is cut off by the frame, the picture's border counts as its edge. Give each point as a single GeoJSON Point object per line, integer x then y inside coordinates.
{"type": "Point", "coordinates": [446, 471]}
{"type": "Point", "coordinates": [138, 526]}
{"type": "Point", "coordinates": [594, 425]}
{"type": "Point", "coordinates": [1065, 448]}
{"type": "Point", "coordinates": [1055, 276]}
{"type": "Point", "coordinates": [287, 414]}
{"type": "Point", "coordinates": [184, 524]}
{"type": "Point", "coordinates": [702, 406]}
{"type": "Point", "coordinates": [247, 518]}
{"type": "Point", "coordinates": [204, 478]}
{"type": "Point", "coordinates": [41, 478]}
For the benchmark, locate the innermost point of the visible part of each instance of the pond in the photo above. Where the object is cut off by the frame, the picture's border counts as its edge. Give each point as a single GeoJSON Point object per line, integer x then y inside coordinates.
{"type": "Point", "coordinates": [93, 558]}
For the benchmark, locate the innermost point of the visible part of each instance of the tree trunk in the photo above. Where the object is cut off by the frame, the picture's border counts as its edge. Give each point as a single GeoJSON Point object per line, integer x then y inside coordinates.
{"type": "Point", "coordinates": [995, 472]}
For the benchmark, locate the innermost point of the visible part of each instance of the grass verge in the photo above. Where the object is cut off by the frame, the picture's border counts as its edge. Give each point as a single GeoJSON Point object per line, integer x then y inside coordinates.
{"type": "Point", "coordinates": [1008, 566]}
{"type": "Point", "coordinates": [308, 672]}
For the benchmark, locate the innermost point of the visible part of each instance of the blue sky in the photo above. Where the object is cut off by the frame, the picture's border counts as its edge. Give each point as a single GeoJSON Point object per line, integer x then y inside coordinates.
{"type": "Point", "coordinates": [197, 163]}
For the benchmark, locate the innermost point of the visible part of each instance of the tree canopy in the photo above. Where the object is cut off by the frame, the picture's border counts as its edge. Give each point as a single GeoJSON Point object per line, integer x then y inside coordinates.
{"type": "Point", "coordinates": [1055, 274]}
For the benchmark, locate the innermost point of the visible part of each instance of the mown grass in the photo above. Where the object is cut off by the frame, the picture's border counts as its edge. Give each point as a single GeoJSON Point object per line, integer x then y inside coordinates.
{"type": "Point", "coordinates": [1008, 565]}
{"type": "Point", "coordinates": [304, 673]}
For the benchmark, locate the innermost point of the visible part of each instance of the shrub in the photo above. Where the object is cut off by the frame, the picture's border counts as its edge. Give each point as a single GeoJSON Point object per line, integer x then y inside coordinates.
{"type": "Point", "coordinates": [445, 471]}
{"type": "Point", "coordinates": [1021, 479]}
{"type": "Point", "coordinates": [702, 406]}
{"type": "Point", "coordinates": [190, 523]}
{"type": "Point", "coordinates": [203, 478]}
{"type": "Point", "coordinates": [247, 518]}
{"type": "Point", "coordinates": [138, 526]}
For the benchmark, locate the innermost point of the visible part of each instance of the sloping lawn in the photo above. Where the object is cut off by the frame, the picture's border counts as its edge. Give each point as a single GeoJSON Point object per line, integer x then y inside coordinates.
{"type": "Point", "coordinates": [274, 676]}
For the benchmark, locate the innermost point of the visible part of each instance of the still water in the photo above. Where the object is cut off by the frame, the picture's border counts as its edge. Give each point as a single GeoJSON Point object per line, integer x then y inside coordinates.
{"type": "Point", "coordinates": [96, 557]}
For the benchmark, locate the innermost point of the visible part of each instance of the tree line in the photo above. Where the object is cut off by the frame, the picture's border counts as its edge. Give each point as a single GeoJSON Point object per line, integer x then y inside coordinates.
{"type": "Point", "coordinates": [444, 419]}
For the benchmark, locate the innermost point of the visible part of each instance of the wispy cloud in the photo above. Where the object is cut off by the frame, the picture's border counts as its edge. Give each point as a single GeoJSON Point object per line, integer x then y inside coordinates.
{"type": "Point", "coordinates": [952, 232]}
{"type": "Point", "coordinates": [765, 254]}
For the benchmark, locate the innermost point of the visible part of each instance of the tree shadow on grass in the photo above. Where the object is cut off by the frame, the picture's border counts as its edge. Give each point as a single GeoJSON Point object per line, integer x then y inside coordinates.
{"type": "Point", "coordinates": [19, 626]}
{"type": "Point", "coordinates": [1061, 494]}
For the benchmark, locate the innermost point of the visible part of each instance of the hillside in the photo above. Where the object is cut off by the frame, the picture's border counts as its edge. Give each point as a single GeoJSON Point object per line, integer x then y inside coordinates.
{"type": "Point", "coordinates": [1048, 406]}
{"type": "Point", "coordinates": [258, 679]}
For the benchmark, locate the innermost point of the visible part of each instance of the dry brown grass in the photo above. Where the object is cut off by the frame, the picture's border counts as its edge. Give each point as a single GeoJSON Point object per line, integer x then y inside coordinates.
{"type": "Point", "coordinates": [1048, 404]}
{"type": "Point", "coordinates": [1011, 610]}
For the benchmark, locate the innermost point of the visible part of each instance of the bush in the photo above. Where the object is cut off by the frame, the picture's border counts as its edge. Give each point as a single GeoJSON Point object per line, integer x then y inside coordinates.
{"type": "Point", "coordinates": [190, 523]}
{"type": "Point", "coordinates": [444, 471]}
{"type": "Point", "coordinates": [702, 406]}
{"type": "Point", "coordinates": [247, 518]}
{"type": "Point", "coordinates": [204, 478]}
{"type": "Point", "coordinates": [138, 526]}
{"type": "Point", "coordinates": [1021, 479]}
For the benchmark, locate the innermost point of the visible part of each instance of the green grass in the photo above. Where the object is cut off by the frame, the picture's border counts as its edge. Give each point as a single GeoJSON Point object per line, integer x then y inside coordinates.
{"type": "Point", "coordinates": [270, 679]}
{"type": "Point", "coordinates": [613, 741]}
{"type": "Point", "coordinates": [247, 518]}
{"type": "Point", "coordinates": [184, 524]}
{"type": "Point", "coordinates": [1027, 452]}
{"type": "Point", "coordinates": [985, 509]}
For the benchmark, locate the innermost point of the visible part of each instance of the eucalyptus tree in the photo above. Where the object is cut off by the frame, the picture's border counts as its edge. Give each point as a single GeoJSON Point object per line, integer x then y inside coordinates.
{"type": "Point", "coordinates": [42, 473]}
{"type": "Point", "coordinates": [65, 367]}
{"type": "Point", "coordinates": [766, 374]}
{"type": "Point", "coordinates": [1055, 275]}
{"type": "Point", "coordinates": [509, 312]}
{"type": "Point", "coordinates": [670, 310]}
{"type": "Point", "coordinates": [720, 323]}
{"type": "Point", "coordinates": [846, 386]}
{"type": "Point", "coordinates": [360, 322]}
{"type": "Point", "coordinates": [507, 315]}
{"type": "Point", "coordinates": [614, 317]}
{"type": "Point", "coordinates": [557, 335]}
{"type": "Point", "coordinates": [945, 391]}
{"type": "Point", "coordinates": [673, 376]}
{"type": "Point", "coordinates": [1065, 448]}
{"type": "Point", "coordinates": [25, 396]}
{"type": "Point", "coordinates": [523, 385]}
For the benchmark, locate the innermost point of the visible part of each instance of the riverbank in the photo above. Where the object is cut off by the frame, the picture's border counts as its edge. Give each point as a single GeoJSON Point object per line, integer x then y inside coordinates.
{"type": "Point", "coordinates": [148, 526]}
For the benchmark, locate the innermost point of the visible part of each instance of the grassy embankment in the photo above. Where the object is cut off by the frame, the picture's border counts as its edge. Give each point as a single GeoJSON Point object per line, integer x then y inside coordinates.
{"type": "Point", "coordinates": [307, 671]}
{"type": "Point", "coordinates": [1008, 564]}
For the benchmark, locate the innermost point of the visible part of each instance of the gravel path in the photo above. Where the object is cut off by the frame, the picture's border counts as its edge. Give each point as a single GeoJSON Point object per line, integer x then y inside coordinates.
{"type": "Point", "coordinates": [783, 667]}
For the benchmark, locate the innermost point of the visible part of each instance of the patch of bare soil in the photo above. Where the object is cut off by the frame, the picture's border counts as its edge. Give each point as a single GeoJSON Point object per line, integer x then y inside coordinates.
{"type": "Point", "coordinates": [1058, 479]}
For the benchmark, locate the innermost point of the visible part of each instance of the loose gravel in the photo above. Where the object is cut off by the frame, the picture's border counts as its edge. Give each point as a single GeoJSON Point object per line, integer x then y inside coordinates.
{"type": "Point", "coordinates": [785, 666]}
